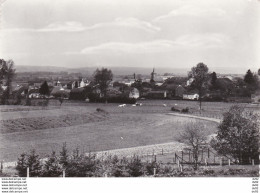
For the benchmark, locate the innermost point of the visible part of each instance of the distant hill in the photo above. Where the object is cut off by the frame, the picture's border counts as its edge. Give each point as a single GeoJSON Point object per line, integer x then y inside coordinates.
{"type": "Point", "coordinates": [130, 70]}
{"type": "Point", "coordinates": [90, 70]}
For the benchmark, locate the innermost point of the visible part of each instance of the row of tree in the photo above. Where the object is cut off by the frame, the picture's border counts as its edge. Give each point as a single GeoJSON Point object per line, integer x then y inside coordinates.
{"type": "Point", "coordinates": [237, 136]}
{"type": "Point", "coordinates": [7, 73]}
{"type": "Point", "coordinates": [80, 165]}
{"type": "Point", "coordinates": [205, 81]}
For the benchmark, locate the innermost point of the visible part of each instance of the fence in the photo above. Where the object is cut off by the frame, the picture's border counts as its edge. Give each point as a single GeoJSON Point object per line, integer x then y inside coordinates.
{"type": "Point", "coordinates": [162, 154]}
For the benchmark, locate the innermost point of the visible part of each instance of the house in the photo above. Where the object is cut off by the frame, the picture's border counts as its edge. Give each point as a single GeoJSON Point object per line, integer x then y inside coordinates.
{"type": "Point", "coordinates": [33, 92]}
{"type": "Point", "coordinates": [20, 90]}
{"type": "Point", "coordinates": [179, 91]}
{"type": "Point", "coordinates": [188, 83]}
{"type": "Point", "coordinates": [134, 93]}
{"type": "Point", "coordinates": [191, 96]}
{"type": "Point", "coordinates": [160, 94]}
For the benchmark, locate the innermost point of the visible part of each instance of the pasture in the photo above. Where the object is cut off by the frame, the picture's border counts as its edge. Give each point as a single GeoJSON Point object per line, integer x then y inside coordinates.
{"type": "Point", "coordinates": [80, 124]}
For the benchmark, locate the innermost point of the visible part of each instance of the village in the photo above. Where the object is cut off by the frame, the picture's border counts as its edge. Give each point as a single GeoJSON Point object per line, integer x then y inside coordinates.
{"type": "Point", "coordinates": [154, 86]}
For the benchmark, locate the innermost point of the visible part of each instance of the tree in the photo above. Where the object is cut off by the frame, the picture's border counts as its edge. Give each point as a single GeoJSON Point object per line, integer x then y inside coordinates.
{"type": "Point", "coordinates": [22, 165]}
{"type": "Point", "coordinates": [64, 156]}
{"type": "Point", "coordinates": [200, 75]}
{"type": "Point", "coordinates": [249, 77]}
{"type": "Point", "coordinates": [213, 79]}
{"type": "Point", "coordinates": [51, 167]}
{"type": "Point", "coordinates": [135, 167]}
{"type": "Point", "coordinates": [103, 77]}
{"type": "Point", "coordinates": [252, 82]}
{"type": "Point", "coordinates": [34, 164]}
{"type": "Point", "coordinates": [195, 136]}
{"type": "Point", "coordinates": [7, 74]}
{"type": "Point", "coordinates": [238, 135]}
{"type": "Point", "coordinates": [44, 89]}
{"type": "Point", "coordinates": [31, 161]}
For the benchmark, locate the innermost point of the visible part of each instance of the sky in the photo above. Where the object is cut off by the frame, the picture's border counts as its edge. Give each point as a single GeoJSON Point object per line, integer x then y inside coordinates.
{"type": "Point", "coordinates": [131, 33]}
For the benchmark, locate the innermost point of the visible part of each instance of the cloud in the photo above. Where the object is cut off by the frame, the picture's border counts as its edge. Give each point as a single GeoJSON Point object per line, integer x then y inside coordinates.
{"type": "Point", "coordinates": [74, 26]}
{"type": "Point", "coordinates": [191, 10]}
{"type": "Point", "coordinates": [212, 40]}
{"type": "Point", "coordinates": [202, 41]}
{"type": "Point", "coordinates": [128, 23]}
{"type": "Point", "coordinates": [131, 48]}
{"type": "Point", "coordinates": [69, 26]}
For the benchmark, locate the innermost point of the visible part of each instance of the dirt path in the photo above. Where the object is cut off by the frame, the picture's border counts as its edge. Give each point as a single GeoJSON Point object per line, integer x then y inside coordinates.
{"type": "Point", "coordinates": [195, 117]}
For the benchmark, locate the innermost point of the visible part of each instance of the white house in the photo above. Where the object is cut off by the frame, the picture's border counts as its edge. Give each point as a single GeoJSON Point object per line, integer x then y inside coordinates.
{"type": "Point", "coordinates": [134, 93]}
{"type": "Point", "coordinates": [191, 96]}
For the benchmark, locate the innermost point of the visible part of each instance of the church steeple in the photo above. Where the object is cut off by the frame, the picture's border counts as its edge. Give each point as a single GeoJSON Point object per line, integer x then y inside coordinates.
{"type": "Point", "coordinates": [152, 76]}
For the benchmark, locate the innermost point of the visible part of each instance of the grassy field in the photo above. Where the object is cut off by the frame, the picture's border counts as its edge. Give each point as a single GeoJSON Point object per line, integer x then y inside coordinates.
{"type": "Point", "coordinates": [79, 124]}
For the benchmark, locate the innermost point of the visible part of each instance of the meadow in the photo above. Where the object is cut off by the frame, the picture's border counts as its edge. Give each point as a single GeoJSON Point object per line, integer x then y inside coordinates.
{"type": "Point", "coordinates": [79, 124]}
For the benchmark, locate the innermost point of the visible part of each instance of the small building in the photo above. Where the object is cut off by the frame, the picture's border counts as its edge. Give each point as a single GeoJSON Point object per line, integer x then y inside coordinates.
{"type": "Point", "coordinates": [191, 96]}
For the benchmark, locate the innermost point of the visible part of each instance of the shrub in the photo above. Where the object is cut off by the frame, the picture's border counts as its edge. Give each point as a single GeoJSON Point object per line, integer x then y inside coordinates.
{"type": "Point", "coordinates": [135, 167]}
{"type": "Point", "coordinates": [51, 167]}
{"type": "Point", "coordinates": [150, 167]}
{"type": "Point", "coordinates": [100, 110]}
{"type": "Point", "coordinates": [238, 135]}
{"type": "Point", "coordinates": [185, 110]}
{"type": "Point", "coordinates": [31, 161]}
{"type": "Point", "coordinates": [119, 99]}
{"type": "Point", "coordinates": [174, 109]}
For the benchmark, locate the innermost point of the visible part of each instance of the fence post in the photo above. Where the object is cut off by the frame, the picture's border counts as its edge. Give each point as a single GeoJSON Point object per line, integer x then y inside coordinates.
{"type": "Point", "coordinates": [1, 169]}
{"type": "Point", "coordinates": [63, 174]}
{"type": "Point", "coordinates": [175, 158]}
{"type": "Point", "coordinates": [229, 162]}
{"type": "Point", "coordinates": [181, 168]}
{"type": "Point", "coordinates": [28, 172]}
{"type": "Point", "coordinates": [208, 152]}
{"type": "Point", "coordinates": [154, 171]}
{"type": "Point", "coordinates": [154, 158]}
{"type": "Point", "coordinates": [220, 161]}
{"type": "Point", "coordinates": [182, 155]}
{"type": "Point", "coordinates": [253, 162]}
{"type": "Point", "coordinates": [178, 163]}
{"type": "Point", "coordinates": [189, 155]}
{"type": "Point", "coordinates": [206, 163]}
{"type": "Point", "coordinates": [201, 154]}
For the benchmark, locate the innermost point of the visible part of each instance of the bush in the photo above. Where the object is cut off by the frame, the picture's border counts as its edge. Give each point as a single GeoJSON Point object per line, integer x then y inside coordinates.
{"type": "Point", "coordinates": [135, 167]}
{"type": "Point", "coordinates": [174, 109]}
{"type": "Point", "coordinates": [100, 110]}
{"type": "Point", "coordinates": [31, 161]}
{"type": "Point", "coordinates": [238, 135]}
{"type": "Point", "coordinates": [51, 167]}
{"type": "Point", "coordinates": [150, 168]}
{"type": "Point", "coordinates": [119, 99]}
{"type": "Point", "coordinates": [185, 110]}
